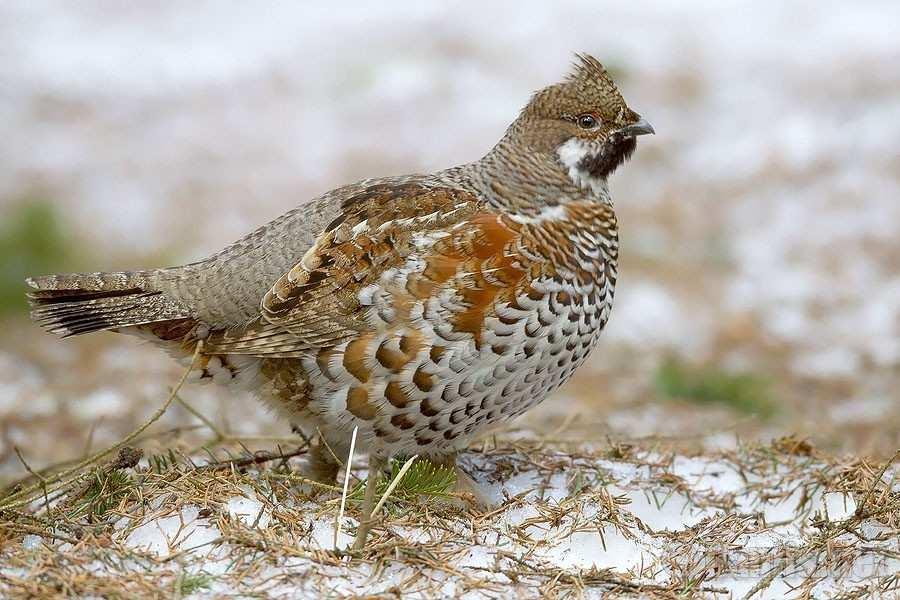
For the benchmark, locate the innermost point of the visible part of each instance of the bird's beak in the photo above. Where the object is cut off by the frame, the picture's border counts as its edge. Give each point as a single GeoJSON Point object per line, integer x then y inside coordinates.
{"type": "Point", "coordinates": [642, 127]}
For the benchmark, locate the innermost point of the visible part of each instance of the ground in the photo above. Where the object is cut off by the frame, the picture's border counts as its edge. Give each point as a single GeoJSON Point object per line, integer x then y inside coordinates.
{"type": "Point", "coordinates": [572, 520]}
{"type": "Point", "coordinates": [758, 298]}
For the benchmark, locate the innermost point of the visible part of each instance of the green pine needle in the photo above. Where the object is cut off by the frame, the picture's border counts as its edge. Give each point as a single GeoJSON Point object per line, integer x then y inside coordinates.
{"type": "Point", "coordinates": [424, 478]}
{"type": "Point", "coordinates": [105, 493]}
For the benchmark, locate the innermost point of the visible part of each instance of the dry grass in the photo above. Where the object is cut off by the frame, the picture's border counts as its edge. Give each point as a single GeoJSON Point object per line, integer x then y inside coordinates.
{"type": "Point", "coordinates": [573, 520]}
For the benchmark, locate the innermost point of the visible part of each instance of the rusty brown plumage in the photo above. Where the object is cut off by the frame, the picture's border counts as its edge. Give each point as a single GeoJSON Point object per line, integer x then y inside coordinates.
{"type": "Point", "coordinates": [422, 309]}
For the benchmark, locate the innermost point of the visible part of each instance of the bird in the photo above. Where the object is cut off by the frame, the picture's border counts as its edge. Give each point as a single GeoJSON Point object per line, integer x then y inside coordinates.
{"type": "Point", "coordinates": [418, 310]}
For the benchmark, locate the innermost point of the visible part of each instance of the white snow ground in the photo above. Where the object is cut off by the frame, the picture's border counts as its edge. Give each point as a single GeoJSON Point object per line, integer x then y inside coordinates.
{"type": "Point", "coordinates": [647, 525]}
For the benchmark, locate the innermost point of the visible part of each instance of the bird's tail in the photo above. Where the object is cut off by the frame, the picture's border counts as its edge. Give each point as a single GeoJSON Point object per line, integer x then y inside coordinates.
{"type": "Point", "coordinates": [81, 303]}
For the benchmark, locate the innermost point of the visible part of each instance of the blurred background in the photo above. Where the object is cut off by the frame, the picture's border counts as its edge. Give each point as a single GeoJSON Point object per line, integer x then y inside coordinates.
{"type": "Point", "coordinates": [759, 290]}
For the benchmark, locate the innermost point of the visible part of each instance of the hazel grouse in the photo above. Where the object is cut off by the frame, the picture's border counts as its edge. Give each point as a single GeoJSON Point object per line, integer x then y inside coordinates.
{"type": "Point", "coordinates": [422, 309]}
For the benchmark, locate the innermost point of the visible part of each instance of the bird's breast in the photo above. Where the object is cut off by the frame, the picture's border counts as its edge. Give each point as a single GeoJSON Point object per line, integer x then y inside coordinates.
{"type": "Point", "coordinates": [475, 327]}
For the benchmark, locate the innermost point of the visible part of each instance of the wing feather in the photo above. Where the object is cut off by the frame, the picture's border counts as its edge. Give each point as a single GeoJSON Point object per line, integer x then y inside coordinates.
{"type": "Point", "coordinates": [316, 303]}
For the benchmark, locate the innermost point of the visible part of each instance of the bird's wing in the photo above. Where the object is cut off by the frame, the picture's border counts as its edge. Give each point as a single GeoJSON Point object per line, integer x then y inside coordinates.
{"type": "Point", "coordinates": [316, 304]}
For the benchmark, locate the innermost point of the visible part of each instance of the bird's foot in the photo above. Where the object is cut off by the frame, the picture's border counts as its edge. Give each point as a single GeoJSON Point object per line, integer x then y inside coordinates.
{"type": "Point", "coordinates": [473, 494]}
{"type": "Point", "coordinates": [467, 492]}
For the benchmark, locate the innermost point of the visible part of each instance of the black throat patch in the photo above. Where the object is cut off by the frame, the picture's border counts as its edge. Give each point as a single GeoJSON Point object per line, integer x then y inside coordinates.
{"type": "Point", "coordinates": [615, 152]}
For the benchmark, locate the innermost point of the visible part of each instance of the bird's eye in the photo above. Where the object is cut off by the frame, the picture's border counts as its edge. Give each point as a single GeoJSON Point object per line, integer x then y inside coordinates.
{"type": "Point", "coordinates": [587, 121]}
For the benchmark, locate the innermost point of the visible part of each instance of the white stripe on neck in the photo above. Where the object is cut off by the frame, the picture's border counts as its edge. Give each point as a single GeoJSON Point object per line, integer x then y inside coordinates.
{"type": "Point", "coordinates": [571, 154]}
{"type": "Point", "coordinates": [556, 212]}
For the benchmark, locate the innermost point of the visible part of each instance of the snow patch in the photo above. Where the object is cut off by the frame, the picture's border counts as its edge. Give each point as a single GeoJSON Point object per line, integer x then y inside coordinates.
{"type": "Point", "coordinates": [165, 535]}
{"type": "Point", "coordinates": [248, 509]}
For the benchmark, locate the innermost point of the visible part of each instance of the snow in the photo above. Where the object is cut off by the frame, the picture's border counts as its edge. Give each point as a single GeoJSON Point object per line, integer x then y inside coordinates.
{"type": "Point", "coordinates": [665, 511]}
{"type": "Point", "coordinates": [322, 534]}
{"type": "Point", "coordinates": [649, 316]}
{"type": "Point", "coordinates": [608, 549]}
{"type": "Point", "coordinates": [164, 535]}
{"type": "Point", "coordinates": [30, 542]}
{"type": "Point", "coordinates": [828, 362]}
{"type": "Point", "coordinates": [477, 556]}
{"type": "Point", "coordinates": [21, 380]}
{"type": "Point", "coordinates": [863, 410]}
{"type": "Point", "coordinates": [838, 506]}
{"type": "Point", "coordinates": [249, 510]}
{"type": "Point", "coordinates": [101, 403]}
{"type": "Point", "coordinates": [783, 510]}
{"type": "Point", "coordinates": [651, 517]}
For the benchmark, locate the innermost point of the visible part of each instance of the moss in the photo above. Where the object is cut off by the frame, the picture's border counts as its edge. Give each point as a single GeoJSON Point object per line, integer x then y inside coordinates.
{"type": "Point", "coordinates": [31, 243]}
{"type": "Point", "coordinates": [190, 584]}
{"type": "Point", "coordinates": [747, 393]}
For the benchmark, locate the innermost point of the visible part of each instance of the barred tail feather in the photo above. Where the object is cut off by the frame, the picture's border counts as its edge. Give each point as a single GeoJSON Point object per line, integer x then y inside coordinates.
{"type": "Point", "coordinates": [81, 303]}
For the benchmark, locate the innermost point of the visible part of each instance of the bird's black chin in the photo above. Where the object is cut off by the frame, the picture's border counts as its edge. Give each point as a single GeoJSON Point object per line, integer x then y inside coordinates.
{"type": "Point", "coordinates": [614, 152]}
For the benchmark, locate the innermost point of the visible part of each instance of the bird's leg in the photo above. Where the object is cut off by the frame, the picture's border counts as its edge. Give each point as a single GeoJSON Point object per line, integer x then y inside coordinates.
{"type": "Point", "coordinates": [471, 491]}
{"type": "Point", "coordinates": [376, 466]}
{"type": "Point", "coordinates": [322, 465]}
{"type": "Point", "coordinates": [465, 484]}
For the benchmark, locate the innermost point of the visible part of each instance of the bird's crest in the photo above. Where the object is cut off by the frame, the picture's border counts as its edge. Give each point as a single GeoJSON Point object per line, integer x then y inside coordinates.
{"type": "Point", "coordinates": [586, 68]}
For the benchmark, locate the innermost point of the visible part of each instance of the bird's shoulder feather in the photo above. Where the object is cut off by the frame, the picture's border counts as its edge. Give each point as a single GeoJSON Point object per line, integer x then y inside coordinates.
{"type": "Point", "coordinates": [316, 303]}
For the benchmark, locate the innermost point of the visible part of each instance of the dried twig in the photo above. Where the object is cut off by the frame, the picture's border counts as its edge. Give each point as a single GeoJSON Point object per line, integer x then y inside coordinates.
{"type": "Point", "coordinates": [349, 466]}
{"type": "Point", "coordinates": [21, 497]}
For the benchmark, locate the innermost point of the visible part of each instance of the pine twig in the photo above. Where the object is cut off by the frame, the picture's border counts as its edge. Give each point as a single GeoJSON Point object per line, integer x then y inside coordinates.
{"type": "Point", "coordinates": [394, 484]}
